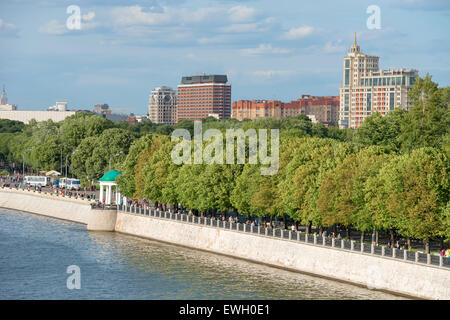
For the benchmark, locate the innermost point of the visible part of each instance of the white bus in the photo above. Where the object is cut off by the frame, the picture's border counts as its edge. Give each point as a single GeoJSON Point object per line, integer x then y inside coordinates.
{"type": "Point", "coordinates": [70, 184]}
{"type": "Point", "coordinates": [35, 181]}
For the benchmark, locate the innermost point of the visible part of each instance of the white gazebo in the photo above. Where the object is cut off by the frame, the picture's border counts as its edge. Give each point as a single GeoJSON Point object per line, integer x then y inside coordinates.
{"type": "Point", "coordinates": [108, 181]}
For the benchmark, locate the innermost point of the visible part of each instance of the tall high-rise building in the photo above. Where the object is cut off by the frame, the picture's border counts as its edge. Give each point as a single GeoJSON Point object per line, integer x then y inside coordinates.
{"type": "Point", "coordinates": [162, 107]}
{"type": "Point", "coordinates": [366, 89]}
{"type": "Point", "coordinates": [202, 96]}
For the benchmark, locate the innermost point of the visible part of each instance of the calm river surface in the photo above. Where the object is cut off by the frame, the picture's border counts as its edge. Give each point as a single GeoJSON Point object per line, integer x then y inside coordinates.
{"type": "Point", "coordinates": [35, 252]}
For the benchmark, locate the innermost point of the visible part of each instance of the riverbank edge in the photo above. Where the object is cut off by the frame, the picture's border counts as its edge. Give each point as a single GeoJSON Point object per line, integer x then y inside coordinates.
{"type": "Point", "coordinates": [359, 285]}
{"type": "Point", "coordinates": [227, 243]}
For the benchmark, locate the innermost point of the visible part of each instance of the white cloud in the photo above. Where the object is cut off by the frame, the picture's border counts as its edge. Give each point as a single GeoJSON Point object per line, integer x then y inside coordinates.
{"type": "Point", "coordinates": [89, 16]}
{"type": "Point", "coordinates": [242, 27]}
{"type": "Point", "coordinates": [264, 49]}
{"type": "Point", "coordinates": [297, 33]}
{"type": "Point", "coordinates": [332, 47]}
{"type": "Point", "coordinates": [100, 80]}
{"type": "Point", "coordinates": [424, 4]}
{"type": "Point", "coordinates": [210, 40]}
{"type": "Point", "coordinates": [273, 73]}
{"type": "Point", "coordinates": [138, 15]}
{"type": "Point", "coordinates": [134, 15]}
{"type": "Point", "coordinates": [7, 28]}
{"type": "Point", "coordinates": [53, 27]}
{"type": "Point", "coordinates": [377, 34]}
{"type": "Point", "coordinates": [241, 13]}
{"type": "Point", "coordinates": [261, 26]}
{"type": "Point", "coordinates": [87, 21]}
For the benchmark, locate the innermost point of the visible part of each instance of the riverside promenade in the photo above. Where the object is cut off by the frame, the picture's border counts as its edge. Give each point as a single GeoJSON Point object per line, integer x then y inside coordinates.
{"type": "Point", "coordinates": [397, 271]}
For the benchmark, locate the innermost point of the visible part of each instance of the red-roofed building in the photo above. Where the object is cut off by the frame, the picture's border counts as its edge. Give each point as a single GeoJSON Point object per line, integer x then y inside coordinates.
{"type": "Point", "coordinates": [324, 109]}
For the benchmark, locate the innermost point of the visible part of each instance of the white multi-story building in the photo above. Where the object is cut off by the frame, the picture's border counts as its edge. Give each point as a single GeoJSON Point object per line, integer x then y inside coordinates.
{"type": "Point", "coordinates": [162, 107]}
{"type": "Point", "coordinates": [61, 105]}
{"type": "Point", "coordinates": [366, 89]}
{"type": "Point", "coordinates": [26, 116]}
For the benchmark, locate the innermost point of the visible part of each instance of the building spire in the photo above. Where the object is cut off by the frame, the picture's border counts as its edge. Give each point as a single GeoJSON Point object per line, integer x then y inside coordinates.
{"type": "Point", "coordinates": [3, 98]}
{"type": "Point", "coordinates": [355, 48]}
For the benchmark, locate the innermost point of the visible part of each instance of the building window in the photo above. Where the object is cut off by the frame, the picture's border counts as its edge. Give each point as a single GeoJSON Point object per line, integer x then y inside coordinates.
{"type": "Point", "coordinates": [347, 76]}
{"type": "Point", "coordinates": [391, 101]}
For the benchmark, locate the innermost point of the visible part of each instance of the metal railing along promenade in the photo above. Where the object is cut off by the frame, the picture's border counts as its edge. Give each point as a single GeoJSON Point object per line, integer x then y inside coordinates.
{"type": "Point", "coordinates": [287, 235]}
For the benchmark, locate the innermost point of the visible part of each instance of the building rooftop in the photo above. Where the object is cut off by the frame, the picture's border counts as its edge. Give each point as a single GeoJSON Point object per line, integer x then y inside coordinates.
{"type": "Point", "coordinates": [110, 175]}
{"type": "Point", "coordinates": [205, 78]}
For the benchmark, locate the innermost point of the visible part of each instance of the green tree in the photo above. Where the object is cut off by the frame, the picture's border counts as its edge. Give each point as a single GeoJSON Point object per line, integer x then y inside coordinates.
{"type": "Point", "coordinates": [309, 175]}
{"type": "Point", "coordinates": [157, 170]}
{"type": "Point", "coordinates": [429, 119]}
{"type": "Point", "coordinates": [341, 193]}
{"type": "Point", "coordinates": [446, 215]}
{"type": "Point", "coordinates": [10, 126]}
{"type": "Point", "coordinates": [80, 164]}
{"type": "Point", "coordinates": [111, 147]}
{"type": "Point", "coordinates": [190, 187]}
{"type": "Point", "coordinates": [82, 125]}
{"type": "Point", "coordinates": [381, 130]}
{"type": "Point", "coordinates": [247, 184]}
{"type": "Point", "coordinates": [417, 191]}
{"type": "Point", "coordinates": [264, 199]}
{"type": "Point", "coordinates": [126, 181]}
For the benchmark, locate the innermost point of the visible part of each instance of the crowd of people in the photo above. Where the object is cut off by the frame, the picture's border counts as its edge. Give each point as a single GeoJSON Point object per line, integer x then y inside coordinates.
{"type": "Point", "coordinates": [17, 181]}
{"type": "Point", "coordinates": [445, 253]}
{"type": "Point", "coordinates": [11, 181]}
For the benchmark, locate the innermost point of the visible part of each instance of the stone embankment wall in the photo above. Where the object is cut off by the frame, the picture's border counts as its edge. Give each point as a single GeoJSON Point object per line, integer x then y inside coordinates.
{"type": "Point", "coordinates": [374, 272]}
{"type": "Point", "coordinates": [51, 205]}
{"type": "Point", "coordinates": [60, 207]}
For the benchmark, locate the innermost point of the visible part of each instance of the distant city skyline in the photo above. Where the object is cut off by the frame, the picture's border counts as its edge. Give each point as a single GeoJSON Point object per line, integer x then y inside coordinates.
{"type": "Point", "coordinates": [269, 50]}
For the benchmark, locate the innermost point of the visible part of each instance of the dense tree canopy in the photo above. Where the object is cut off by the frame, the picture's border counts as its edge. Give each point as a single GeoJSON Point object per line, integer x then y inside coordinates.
{"type": "Point", "coordinates": [390, 174]}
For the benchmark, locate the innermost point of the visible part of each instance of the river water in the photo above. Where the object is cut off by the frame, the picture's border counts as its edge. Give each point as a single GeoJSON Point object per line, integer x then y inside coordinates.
{"type": "Point", "coordinates": [35, 252]}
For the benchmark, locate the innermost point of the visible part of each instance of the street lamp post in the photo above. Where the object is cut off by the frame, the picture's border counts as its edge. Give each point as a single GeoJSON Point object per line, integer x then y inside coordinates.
{"type": "Point", "coordinates": [23, 164]}
{"type": "Point", "coordinates": [60, 161]}
{"type": "Point", "coordinates": [65, 184]}
{"type": "Point", "coordinates": [75, 151]}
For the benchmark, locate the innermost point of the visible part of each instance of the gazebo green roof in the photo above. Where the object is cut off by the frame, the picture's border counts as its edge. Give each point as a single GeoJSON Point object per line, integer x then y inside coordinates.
{"type": "Point", "coordinates": [110, 176]}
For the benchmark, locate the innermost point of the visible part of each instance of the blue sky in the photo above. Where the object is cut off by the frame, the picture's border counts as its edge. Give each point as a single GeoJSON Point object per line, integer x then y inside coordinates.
{"type": "Point", "coordinates": [269, 49]}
